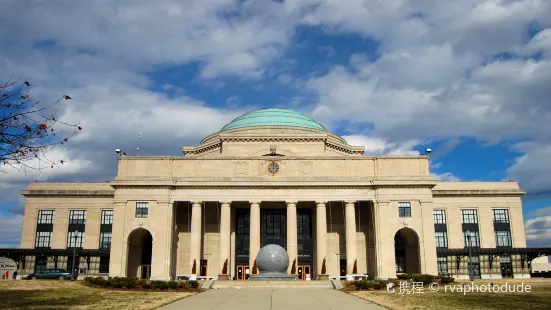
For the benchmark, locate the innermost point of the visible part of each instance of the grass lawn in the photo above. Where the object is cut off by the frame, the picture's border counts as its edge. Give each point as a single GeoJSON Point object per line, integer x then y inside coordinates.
{"type": "Point", "coordinates": [538, 298]}
{"type": "Point", "coordinates": [44, 294]}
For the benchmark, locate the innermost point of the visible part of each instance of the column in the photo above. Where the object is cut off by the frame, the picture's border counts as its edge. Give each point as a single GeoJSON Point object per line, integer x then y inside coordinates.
{"type": "Point", "coordinates": [225, 236]}
{"type": "Point", "coordinates": [195, 244]}
{"type": "Point", "coordinates": [350, 213]}
{"type": "Point", "coordinates": [427, 240]}
{"type": "Point", "coordinates": [119, 242]}
{"type": "Point", "coordinates": [321, 237]}
{"type": "Point", "coordinates": [162, 245]}
{"type": "Point", "coordinates": [384, 241]}
{"type": "Point", "coordinates": [254, 234]}
{"type": "Point", "coordinates": [292, 249]}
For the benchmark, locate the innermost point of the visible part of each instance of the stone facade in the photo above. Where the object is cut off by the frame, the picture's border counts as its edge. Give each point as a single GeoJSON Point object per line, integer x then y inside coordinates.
{"type": "Point", "coordinates": [352, 209]}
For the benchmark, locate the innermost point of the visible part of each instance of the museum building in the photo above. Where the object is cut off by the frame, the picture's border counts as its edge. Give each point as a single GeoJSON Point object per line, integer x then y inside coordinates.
{"type": "Point", "coordinates": [275, 176]}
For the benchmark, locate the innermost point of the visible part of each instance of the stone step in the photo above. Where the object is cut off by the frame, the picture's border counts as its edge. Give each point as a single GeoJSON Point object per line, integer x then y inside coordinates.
{"type": "Point", "coordinates": [275, 284]}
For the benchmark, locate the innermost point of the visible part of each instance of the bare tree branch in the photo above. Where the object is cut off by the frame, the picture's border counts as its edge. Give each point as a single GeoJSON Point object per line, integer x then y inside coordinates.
{"type": "Point", "coordinates": [28, 128]}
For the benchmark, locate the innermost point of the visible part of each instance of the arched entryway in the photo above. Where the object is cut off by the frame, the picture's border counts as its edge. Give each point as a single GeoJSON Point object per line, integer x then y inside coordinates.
{"type": "Point", "coordinates": [406, 251]}
{"type": "Point", "coordinates": [140, 245]}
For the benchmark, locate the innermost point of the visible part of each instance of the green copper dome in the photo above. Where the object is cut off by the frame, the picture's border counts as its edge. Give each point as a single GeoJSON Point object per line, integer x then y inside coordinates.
{"type": "Point", "coordinates": [273, 117]}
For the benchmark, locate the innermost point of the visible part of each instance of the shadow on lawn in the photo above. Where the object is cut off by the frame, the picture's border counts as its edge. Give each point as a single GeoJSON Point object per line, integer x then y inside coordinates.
{"type": "Point", "coordinates": [43, 299]}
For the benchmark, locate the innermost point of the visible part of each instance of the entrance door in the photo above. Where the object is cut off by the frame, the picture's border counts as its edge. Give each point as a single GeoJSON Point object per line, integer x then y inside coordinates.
{"type": "Point", "coordinates": [342, 267]}
{"type": "Point", "coordinates": [304, 272]}
{"type": "Point", "coordinates": [204, 271]}
{"type": "Point", "coordinates": [145, 272]}
{"type": "Point", "coordinates": [475, 267]}
{"type": "Point", "coordinates": [506, 267]}
{"type": "Point", "coordinates": [41, 263]}
{"type": "Point", "coordinates": [242, 272]}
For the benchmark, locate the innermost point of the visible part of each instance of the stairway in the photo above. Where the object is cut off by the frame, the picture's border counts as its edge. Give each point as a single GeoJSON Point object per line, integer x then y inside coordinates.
{"type": "Point", "coordinates": [271, 284]}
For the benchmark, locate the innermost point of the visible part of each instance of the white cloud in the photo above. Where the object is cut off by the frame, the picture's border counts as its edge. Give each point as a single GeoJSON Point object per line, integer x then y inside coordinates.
{"type": "Point", "coordinates": [380, 146]}
{"type": "Point", "coordinates": [434, 165]}
{"type": "Point", "coordinates": [10, 231]}
{"type": "Point", "coordinates": [541, 42]}
{"type": "Point", "coordinates": [532, 169]}
{"type": "Point", "coordinates": [538, 231]}
{"type": "Point", "coordinates": [227, 36]}
{"type": "Point", "coordinates": [445, 177]}
{"type": "Point", "coordinates": [541, 212]}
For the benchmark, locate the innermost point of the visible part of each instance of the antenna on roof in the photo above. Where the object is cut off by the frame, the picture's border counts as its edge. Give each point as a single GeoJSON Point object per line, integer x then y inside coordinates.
{"type": "Point", "coordinates": [138, 147]}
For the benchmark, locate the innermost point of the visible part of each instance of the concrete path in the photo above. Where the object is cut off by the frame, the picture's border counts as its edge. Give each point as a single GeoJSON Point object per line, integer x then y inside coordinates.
{"type": "Point", "coordinates": [273, 299]}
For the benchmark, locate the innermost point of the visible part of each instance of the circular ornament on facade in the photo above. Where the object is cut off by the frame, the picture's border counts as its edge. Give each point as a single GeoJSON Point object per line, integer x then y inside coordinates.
{"type": "Point", "coordinates": [273, 168]}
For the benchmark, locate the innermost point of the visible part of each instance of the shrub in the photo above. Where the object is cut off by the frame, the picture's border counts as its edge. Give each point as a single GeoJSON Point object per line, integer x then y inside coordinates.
{"type": "Point", "coordinates": [395, 281]}
{"type": "Point", "coordinates": [159, 285]}
{"type": "Point", "coordinates": [124, 282]}
{"type": "Point", "coordinates": [369, 284]}
{"type": "Point", "coordinates": [425, 278]}
{"type": "Point", "coordinates": [447, 280]}
{"type": "Point", "coordinates": [101, 282]}
{"type": "Point", "coordinates": [193, 284]}
{"type": "Point", "coordinates": [116, 284]}
{"type": "Point", "coordinates": [172, 285]}
{"type": "Point", "coordinates": [323, 266]}
{"type": "Point", "coordinates": [96, 281]}
{"type": "Point", "coordinates": [183, 284]}
{"type": "Point", "coordinates": [129, 282]}
{"type": "Point", "coordinates": [379, 284]}
{"type": "Point", "coordinates": [403, 276]}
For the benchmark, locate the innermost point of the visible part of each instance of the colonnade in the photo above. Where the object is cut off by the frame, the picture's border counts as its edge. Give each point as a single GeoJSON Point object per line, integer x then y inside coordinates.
{"type": "Point", "coordinates": [292, 248]}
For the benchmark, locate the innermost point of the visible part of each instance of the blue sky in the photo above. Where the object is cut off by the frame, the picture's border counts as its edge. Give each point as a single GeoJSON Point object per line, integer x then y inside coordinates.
{"type": "Point", "coordinates": [469, 79]}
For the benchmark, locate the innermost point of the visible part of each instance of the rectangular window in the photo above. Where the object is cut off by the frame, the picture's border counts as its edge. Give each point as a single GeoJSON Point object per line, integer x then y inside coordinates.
{"type": "Point", "coordinates": [77, 217]}
{"type": "Point", "coordinates": [107, 217]}
{"type": "Point", "coordinates": [501, 216]}
{"type": "Point", "coordinates": [45, 216]}
{"type": "Point", "coordinates": [142, 209]}
{"type": "Point", "coordinates": [471, 239]}
{"type": "Point", "coordinates": [505, 259]}
{"type": "Point", "coordinates": [105, 240]}
{"type": "Point", "coordinates": [503, 238]}
{"type": "Point", "coordinates": [75, 239]}
{"type": "Point", "coordinates": [469, 216]}
{"type": "Point", "coordinates": [439, 216]}
{"type": "Point", "coordinates": [43, 239]}
{"type": "Point", "coordinates": [400, 264]}
{"type": "Point", "coordinates": [104, 264]}
{"type": "Point", "coordinates": [441, 239]}
{"type": "Point", "coordinates": [404, 209]}
{"type": "Point", "coordinates": [41, 264]}
{"type": "Point", "coordinates": [442, 265]}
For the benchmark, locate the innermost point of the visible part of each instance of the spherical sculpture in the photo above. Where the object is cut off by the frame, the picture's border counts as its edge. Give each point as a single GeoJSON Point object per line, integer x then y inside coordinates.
{"type": "Point", "coordinates": [272, 259]}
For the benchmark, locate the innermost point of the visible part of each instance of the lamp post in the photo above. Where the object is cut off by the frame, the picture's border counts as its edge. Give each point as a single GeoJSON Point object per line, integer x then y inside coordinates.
{"type": "Point", "coordinates": [469, 262]}
{"type": "Point", "coordinates": [74, 255]}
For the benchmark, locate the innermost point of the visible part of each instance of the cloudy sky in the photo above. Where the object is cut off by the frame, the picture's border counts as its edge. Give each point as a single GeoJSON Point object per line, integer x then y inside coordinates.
{"type": "Point", "coordinates": [470, 79]}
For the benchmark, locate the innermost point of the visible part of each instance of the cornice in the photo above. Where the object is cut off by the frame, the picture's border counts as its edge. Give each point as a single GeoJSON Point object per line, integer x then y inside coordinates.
{"type": "Point", "coordinates": [462, 193]}
{"type": "Point", "coordinates": [352, 150]}
{"type": "Point", "coordinates": [273, 139]}
{"type": "Point", "coordinates": [253, 158]}
{"type": "Point", "coordinates": [257, 186]}
{"type": "Point", "coordinates": [69, 193]}
{"type": "Point", "coordinates": [201, 149]}
{"type": "Point", "coordinates": [277, 180]}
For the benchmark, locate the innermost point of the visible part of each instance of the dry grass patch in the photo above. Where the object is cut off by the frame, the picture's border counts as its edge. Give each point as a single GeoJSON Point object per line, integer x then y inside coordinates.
{"type": "Point", "coordinates": [538, 298]}
{"type": "Point", "coordinates": [44, 294]}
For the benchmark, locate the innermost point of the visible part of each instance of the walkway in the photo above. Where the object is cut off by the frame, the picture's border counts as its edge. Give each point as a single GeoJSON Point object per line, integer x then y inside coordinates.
{"type": "Point", "coordinates": [273, 299]}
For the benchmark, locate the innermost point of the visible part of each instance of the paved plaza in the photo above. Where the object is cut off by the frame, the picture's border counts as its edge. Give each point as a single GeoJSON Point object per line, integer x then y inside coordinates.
{"type": "Point", "coordinates": [273, 299]}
